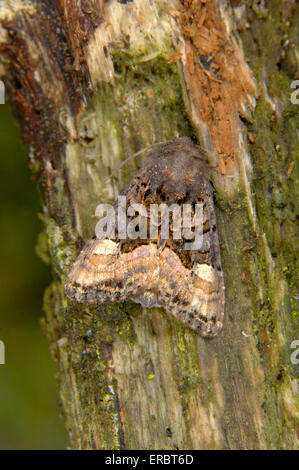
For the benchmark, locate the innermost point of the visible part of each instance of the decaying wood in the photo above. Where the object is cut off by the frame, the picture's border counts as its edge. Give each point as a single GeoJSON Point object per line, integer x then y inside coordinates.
{"type": "Point", "coordinates": [93, 82]}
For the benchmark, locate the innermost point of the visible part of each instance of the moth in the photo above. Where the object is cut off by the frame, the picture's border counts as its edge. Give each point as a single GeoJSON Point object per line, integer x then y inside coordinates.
{"type": "Point", "coordinates": [158, 271]}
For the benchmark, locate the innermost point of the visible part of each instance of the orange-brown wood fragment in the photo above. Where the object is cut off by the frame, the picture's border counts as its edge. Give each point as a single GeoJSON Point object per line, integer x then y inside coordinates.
{"type": "Point", "coordinates": [217, 77]}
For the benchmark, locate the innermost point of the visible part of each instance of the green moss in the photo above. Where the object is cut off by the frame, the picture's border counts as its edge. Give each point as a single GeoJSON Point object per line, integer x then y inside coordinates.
{"type": "Point", "coordinates": [146, 100]}
{"type": "Point", "coordinates": [42, 248]}
{"type": "Point", "coordinates": [150, 376]}
{"type": "Point", "coordinates": [80, 352]}
{"type": "Point", "coordinates": [60, 244]}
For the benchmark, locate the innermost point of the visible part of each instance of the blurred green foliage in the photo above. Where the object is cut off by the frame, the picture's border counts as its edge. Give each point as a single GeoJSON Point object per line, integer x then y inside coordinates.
{"type": "Point", "coordinates": [29, 415]}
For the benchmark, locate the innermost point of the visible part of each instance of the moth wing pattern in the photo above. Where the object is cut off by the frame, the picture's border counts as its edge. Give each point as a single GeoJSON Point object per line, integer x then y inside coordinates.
{"type": "Point", "coordinates": [188, 285]}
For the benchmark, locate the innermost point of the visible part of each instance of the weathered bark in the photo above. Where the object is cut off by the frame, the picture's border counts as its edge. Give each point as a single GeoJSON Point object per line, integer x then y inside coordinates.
{"type": "Point", "coordinates": [93, 82]}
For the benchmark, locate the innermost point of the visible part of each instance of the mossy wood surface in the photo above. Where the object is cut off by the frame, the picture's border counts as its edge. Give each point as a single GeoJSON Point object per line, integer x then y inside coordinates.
{"type": "Point", "coordinates": [91, 85]}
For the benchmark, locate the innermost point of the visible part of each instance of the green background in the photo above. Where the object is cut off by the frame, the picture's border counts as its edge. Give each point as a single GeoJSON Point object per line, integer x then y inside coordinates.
{"type": "Point", "coordinates": [29, 413]}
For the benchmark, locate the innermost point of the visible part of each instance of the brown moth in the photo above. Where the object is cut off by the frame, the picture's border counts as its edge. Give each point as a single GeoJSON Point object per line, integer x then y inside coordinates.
{"type": "Point", "coordinates": [159, 272]}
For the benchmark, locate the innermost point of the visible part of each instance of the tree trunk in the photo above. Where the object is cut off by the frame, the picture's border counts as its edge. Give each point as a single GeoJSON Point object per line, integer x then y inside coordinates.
{"type": "Point", "coordinates": [93, 82]}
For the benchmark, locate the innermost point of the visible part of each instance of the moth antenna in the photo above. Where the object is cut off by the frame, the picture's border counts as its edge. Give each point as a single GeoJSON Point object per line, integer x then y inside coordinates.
{"type": "Point", "coordinates": [131, 157]}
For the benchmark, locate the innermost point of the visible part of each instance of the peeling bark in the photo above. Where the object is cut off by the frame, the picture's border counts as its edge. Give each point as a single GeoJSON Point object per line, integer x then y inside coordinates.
{"type": "Point", "coordinates": [93, 82]}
